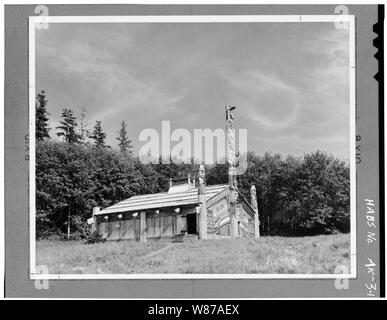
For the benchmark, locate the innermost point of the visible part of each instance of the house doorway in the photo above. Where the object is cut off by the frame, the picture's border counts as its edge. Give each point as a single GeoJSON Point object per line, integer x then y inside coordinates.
{"type": "Point", "coordinates": [191, 223]}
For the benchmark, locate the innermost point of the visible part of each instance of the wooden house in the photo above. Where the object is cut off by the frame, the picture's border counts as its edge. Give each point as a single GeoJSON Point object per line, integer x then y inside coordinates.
{"type": "Point", "coordinates": [186, 209]}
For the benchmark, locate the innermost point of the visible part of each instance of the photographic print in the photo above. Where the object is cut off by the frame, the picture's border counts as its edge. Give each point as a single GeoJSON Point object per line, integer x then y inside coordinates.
{"type": "Point", "coordinates": [194, 147]}
{"type": "Point", "coordinates": [193, 151]}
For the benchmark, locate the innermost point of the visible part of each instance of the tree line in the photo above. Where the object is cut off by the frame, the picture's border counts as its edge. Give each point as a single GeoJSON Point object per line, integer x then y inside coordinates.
{"type": "Point", "coordinates": [296, 196]}
{"type": "Point", "coordinates": [72, 132]}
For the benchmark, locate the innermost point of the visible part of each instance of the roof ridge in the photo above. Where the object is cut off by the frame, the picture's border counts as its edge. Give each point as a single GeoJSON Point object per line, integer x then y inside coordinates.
{"type": "Point", "coordinates": [181, 192]}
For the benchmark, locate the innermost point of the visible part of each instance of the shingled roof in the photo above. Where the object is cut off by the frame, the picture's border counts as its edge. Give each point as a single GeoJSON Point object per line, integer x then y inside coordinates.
{"type": "Point", "coordinates": [162, 200]}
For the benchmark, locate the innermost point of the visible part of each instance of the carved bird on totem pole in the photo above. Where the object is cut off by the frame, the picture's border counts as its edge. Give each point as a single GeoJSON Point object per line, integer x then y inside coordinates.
{"type": "Point", "coordinates": [229, 114]}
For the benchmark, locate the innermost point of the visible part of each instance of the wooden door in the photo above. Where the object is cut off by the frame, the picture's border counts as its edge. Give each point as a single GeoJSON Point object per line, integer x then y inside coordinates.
{"type": "Point", "coordinates": [181, 224]}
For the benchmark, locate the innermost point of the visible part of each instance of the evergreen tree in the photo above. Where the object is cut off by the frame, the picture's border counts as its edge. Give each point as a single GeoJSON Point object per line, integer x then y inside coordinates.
{"type": "Point", "coordinates": [41, 120]}
{"type": "Point", "coordinates": [123, 141]}
{"type": "Point", "coordinates": [68, 127]}
{"type": "Point", "coordinates": [98, 135]}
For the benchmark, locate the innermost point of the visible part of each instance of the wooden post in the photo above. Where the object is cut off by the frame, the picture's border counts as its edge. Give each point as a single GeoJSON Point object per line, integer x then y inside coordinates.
{"type": "Point", "coordinates": [68, 224]}
{"type": "Point", "coordinates": [236, 221]}
{"type": "Point", "coordinates": [254, 204]}
{"type": "Point", "coordinates": [203, 204]}
{"type": "Point", "coordinates": [94, 226]}
{"type": "Point", "coordinates": [197, 219]}
{"type": "Point", "coordinates": [233, 222]}
{"type": "Point", "coordinates": [233, 209]}
{"type": "Point", "coordinates": [143, 227]}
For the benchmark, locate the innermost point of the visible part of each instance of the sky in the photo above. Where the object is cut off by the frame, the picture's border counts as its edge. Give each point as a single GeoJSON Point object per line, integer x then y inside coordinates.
{"type": "Point", "coordinates": [289, 81]}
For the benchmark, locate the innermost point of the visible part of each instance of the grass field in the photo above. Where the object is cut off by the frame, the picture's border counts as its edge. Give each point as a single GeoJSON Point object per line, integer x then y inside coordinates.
{"type": "Point", "coordinates": [319, 254]}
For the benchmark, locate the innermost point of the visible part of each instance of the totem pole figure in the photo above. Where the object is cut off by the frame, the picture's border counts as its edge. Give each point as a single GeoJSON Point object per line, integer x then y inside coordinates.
{"type": "Point", "coordinates": [254, 204]}
{"type": "Point", "coordinates": [231, 158]}
{"type": "Point", "coordinates": [203, 204]}
{"type": "Point", "coordinates": [94, 225]}
{"type": "Point", "coordinates": [231, 154]}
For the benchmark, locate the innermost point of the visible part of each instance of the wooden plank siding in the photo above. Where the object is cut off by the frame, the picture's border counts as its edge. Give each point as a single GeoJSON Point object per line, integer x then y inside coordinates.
{"type": "Point", "coordinates": [166, 222]}
{"type": "Point", "coordinates": [162, 225]}
{"type": "Point", "coordinates": [120, 229]}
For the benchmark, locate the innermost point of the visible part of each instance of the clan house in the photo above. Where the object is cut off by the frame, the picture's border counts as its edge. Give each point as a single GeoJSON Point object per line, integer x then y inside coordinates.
{"type": "Point", "coordinates": [189, 209]}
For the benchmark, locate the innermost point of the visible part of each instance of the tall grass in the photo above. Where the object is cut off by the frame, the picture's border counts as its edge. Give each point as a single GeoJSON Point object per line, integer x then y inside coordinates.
{"type": "Point", "coordinates": [276, 255]}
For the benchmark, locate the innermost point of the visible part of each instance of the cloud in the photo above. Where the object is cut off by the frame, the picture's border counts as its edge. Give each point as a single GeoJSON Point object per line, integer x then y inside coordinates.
{"type": "Point", "coordinates": [267, 99]}
{"type": "Point", "coordinates": [288, 81]}
{"type": "Point", "coordinates": [116, 85]}
{"type": "Point", "coordinates": [327, 85]}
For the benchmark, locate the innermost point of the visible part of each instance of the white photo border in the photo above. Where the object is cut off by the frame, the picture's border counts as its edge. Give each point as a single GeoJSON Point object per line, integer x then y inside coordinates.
{"type": "Point", "coordinates": [34, 20]}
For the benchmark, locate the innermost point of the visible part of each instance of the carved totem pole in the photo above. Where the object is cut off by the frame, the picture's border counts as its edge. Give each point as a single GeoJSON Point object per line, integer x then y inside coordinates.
{"type": "Point", "coordinates": [254, 204]}
{"type": "Point", "coordinates": [231, 158]}
{"type": "Point", "coordinates": [203, 204]}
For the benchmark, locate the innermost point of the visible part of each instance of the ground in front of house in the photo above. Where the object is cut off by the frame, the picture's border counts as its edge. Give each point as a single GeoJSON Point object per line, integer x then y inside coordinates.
{"type": "Point", "coordinates": [275, 255]}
